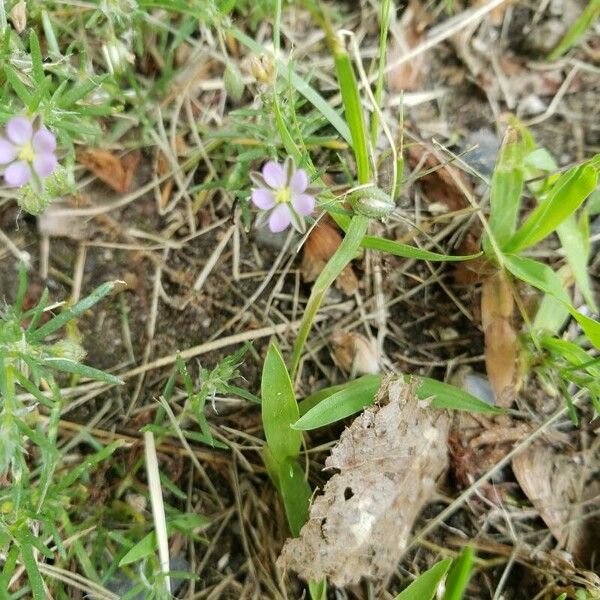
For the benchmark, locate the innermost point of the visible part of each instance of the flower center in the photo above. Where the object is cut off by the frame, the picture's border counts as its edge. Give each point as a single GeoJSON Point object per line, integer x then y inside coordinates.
{"type": "Point", "coordinates": [282, 195]}
{"type": "Point", "coordinates": [26, 153]}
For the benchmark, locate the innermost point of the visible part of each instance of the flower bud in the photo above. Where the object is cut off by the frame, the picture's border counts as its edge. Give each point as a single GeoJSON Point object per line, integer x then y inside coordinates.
{"type": "Point", "coordinates": [232, 79]}
{"type": "Point", "coordinates": [262, 69]}
{"type": "Point", "coordinates": [18, 16]}
{"type": "Point", "coordinates": [117, 55]}
{"type": "Point", "coordinates": [371, 201]}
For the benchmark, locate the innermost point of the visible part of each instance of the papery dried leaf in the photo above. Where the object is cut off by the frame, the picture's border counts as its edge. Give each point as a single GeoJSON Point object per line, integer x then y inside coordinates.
{"type": "Point", "coordinates": [116, 172]}
{"type": "Point", "coordinates": [354, 353]}
{"type": "Point", "coordinates": [497, 308]}
{"type": "Point", "coordinates": [440, 184]}
{"type": "Point", "coordinates": [388, 461]}
{"type": "Point", "coordinates": [319, 247]}
{"type": "Point", "coordinates": [549, 479]}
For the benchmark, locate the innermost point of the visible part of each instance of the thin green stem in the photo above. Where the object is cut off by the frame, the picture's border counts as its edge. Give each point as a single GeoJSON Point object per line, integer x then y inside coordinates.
{"type": "Point", "coordinates": [383, 33]}
{"type": "Point", "coordinates": [343, 255]}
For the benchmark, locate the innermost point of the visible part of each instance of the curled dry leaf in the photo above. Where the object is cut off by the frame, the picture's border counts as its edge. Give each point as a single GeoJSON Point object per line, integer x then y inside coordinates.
{"type": "Point", "coordinates": [440, 183]}
{"type": "Point", "coordinates": [116, 172]}
{"type": "Point", "coordinates": [388, 461]}
{"type": "Point", "coordinates": [354, 353]}
{"type": "Point", "coordinates": [497, 308]}
{"type": "Point", "coordinates": [549, 480]}
{"type": "Point", "coordinates": [320, 245]}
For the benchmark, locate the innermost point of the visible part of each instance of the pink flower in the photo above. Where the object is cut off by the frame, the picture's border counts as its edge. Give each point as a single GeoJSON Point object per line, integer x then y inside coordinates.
{"type": "Point", "coordinates": [283, 194]}
{"type": "Point", "coordinates": [26, 154]}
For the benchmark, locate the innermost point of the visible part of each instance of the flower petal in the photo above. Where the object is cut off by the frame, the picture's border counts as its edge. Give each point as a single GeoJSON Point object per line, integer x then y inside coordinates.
{"type": "Point", "coordinates": [17, 174]}
{"type": "Point", "coordinates": [280, 218]}
{"type": "Point", "coordinates": [263, 198]}
{"type": "Point", "coordinates": [274, 174]}
{"type": "Point", "coordinates": [8, 152]}
{"type": "Point", "coordinates": [43, 141]}
{"type": "Point", "coordinates": [299, 181]}
{"type": "Point", "coordinates": [19, 130]}
{"type": "Point", "coordinates": [303, 203]}
{"type": "Point", "coordinates": [44, 164]}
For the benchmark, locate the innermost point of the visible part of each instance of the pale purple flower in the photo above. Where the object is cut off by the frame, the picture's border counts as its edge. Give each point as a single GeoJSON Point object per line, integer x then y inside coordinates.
{"type": "Point", "coordinates": [26, 154]}
{"type": "Point", "coordinates": [283, 194]}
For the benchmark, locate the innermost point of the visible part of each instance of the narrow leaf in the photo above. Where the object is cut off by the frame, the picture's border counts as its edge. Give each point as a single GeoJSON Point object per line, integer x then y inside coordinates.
{"type": "Point", "coordinates": [564, 198]}
{"type": "Point", "coordinates": [577, 30]}
{"type": "Point", "coordinates": [449, 396]}
{"type": "Point", "coordinates": [279, 408]}
{"type": "Point", "coordinates": [145, 547]}
{"type": "Point", "coordinates": [575, 242]}
{"type": "Point", "coordinates": [459, 575]}
{"type": "Point", "coordinates": [33, 571]}
{"type": "Point", "coordinates": [426, 585]}
{"type": "Point", "coordinates": [543, 278]}
{"type": "Point", "coordinates": [71, 366]}
{"type": "Point", "coordinates": [75, 311]}
{"type": "Point", "coordinates": [507, 186]}
{"type": "Point", "coordinates": [296, 494]}
{"type": "Point", "coordinates": [341, 404]}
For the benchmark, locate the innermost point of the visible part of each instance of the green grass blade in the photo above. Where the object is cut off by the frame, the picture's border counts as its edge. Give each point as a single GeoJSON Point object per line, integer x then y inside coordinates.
{"type": "Point", "coordinates": [543, 278]}
{"type": "Point", "coordinates": [384, 22]}
{"type": "Point", "coordinates": [22, 289]}
{"type": "Point", "coordinates": [341, 404]}
{"type": "Point", "coordinates": [75, 311]}
{"type": "Point", "coordinates": [145, 547]}
{"type": "Point", "coordinates": [459, 575]}
{"type": "Point", "coordinates": [507, 187]}
{"type": "Point", "coordinates": [296, 494]}
{"type": "Point", "coordinates": [353, 386]}
{"type": "Point", "coordinates": [318, 589]}
{"type": "Point", "coordinates": [448, 396]}
{"type": "Point", "coordinates": [18, 86]}
{"type": "Point", "coordinates": [279, 408]}
{"type": "Point", "coordinates": [31, 566]}
{"type": "Point", "coordinates": [552, 315]}
{"type": "Point", "coordinates": [352, 107]}
{"type": "Point", "coordinates": [578, 29]}
{"type": "Point", "coordinates": [70, 366]}
{"type": "Point", "coordinates": [337, 263]}
{"type": "Point", "coordinates": [574, 238]}
{"type": "Point", "coordinates": [407, 251]}
{"type": "Point", "coordinates": [37, 61]}
{"type": "Point", "coordinates": [537, 274]}
{"type": "Point", "coordinates": [426, 585]}
{"type": "Point", "coordinates": [353, 399]}
{"type": "Point", "coordinates": [564, 198]}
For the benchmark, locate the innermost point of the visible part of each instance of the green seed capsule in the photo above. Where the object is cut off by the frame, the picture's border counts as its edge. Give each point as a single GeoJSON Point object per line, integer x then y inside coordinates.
{"type": "Point", "coordinates": [371, 201]}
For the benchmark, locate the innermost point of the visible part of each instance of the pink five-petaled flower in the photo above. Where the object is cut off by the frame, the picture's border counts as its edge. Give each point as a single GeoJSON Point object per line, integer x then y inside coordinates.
{"type": "Point", "coordinates": [283, 193]}
{"type": "Point", "coordinates": [26, 154]}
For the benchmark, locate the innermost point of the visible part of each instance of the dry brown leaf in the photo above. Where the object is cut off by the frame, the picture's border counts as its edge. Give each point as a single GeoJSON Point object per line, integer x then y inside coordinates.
{"type": "Point", "coordinates": [497, 308]}
{"type": "Point", "coordinates": [388, 461]}
{"type": "Point", "coordinates": [319, 247]}
{"type": "Point", "coordinates": [116, 172]}
{"type": "Point", "coordinates": [548, 479]}
{"type": "Point", "coordinates": [354, 353]}
{"type": "Point", "coordinates": [409, 34]}
{"type": "Point", "coordinates": [440, 184]}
